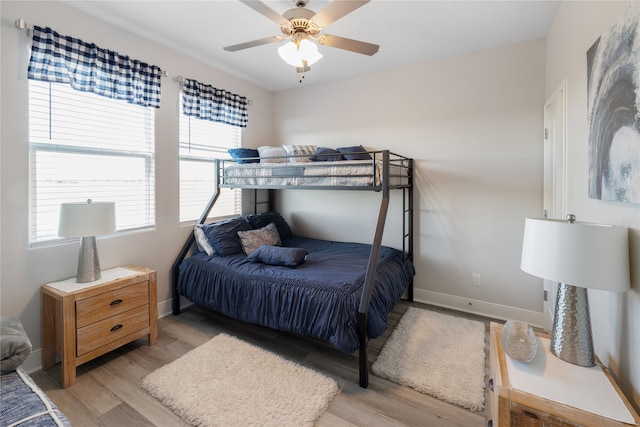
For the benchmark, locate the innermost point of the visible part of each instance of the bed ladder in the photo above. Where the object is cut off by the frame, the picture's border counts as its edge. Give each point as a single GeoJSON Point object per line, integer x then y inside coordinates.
{"type": "Point", "coordinates": [407, 224]}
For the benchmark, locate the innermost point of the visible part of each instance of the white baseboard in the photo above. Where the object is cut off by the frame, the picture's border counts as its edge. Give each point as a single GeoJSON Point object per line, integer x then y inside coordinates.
{"type": "Point", "coordinates": [33, 362]}
{"type": "Point", "coordinates": [165, 308]}
{"type": "Point", "coordinates": [481, 308]}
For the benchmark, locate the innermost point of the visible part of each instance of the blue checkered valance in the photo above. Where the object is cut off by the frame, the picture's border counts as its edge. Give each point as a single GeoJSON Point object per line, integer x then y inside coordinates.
{"type": "Point", "coordinates": [217, 105]}
{"type": "Point", "coordinates": [89, 68]}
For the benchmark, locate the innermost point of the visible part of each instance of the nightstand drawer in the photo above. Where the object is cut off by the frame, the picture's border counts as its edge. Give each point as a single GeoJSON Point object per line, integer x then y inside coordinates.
{"type": "Point", "coordinates": [106, 331]}
{"type": "Point", "coordinates": [103, 306]}
{"type": "Point", "coordinates": [525, 416]}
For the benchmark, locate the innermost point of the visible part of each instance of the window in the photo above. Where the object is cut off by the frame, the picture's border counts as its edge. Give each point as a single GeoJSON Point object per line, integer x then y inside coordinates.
{"type": "Point", "coordinates": [84, 146]}
{"type": "Point", "coordinates": [202, 141]}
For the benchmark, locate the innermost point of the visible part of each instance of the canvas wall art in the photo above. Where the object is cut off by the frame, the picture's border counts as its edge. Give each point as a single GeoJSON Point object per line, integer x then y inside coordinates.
{"type": "Point", "coordinates": [613, 78]}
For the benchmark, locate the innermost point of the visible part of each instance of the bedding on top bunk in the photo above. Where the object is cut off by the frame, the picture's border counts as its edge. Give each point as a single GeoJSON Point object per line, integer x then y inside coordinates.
{"type": "Point", "coordinates": [309, 165]}
{"type": "Point", "coordinates": [319, 298]}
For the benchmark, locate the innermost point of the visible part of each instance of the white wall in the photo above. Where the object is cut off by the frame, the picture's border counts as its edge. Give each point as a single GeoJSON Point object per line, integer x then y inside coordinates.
{"type": "Point", "coordinates": [24, 269]}
{"type": "Point", "coordinates": [615, 317]}
{"type": "Point", "coordinates": [473, 124]}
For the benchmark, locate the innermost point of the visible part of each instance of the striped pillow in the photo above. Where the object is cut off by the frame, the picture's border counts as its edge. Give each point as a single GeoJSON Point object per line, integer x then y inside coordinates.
{"type": "Point", "coordinates": [304, 151]}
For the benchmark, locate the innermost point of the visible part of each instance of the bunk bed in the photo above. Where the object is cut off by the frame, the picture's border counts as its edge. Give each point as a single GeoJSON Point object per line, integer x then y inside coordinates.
{"type": "Point", "coordinates": [344, 308]}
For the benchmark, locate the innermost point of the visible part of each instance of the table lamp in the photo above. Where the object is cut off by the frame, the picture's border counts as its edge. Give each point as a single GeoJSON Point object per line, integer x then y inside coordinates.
{"type": "Point", "coordinates": [87, 220]}
{"type": "Point", "coordinates": [578, 255]}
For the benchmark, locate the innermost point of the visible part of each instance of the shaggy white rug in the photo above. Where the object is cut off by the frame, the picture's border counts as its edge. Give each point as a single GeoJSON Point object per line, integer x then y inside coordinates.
{"type": "Point", "coordinates": [437, 354]}
{"type": "Point", "coordinates": [228, 382]}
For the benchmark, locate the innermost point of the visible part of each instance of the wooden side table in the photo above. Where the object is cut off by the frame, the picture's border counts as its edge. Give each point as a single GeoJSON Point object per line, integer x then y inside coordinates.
{"type": "Point", "coordinates": [511, 406]}
{"type": "Point", "coordinates": [81, 321]}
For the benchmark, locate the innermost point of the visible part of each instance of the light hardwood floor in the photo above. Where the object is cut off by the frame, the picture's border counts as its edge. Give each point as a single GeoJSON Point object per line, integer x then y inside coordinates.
{"type": "Point", "coordinates": [108, 392]}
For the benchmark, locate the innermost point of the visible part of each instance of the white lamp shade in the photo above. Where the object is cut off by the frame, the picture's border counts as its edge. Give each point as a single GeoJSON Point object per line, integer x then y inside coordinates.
{"type": "Point", "coordinates": [580, 254]}
{"type": "Point", "coordinates": [294, 54]}
{"type": "Point", "coordinates": [87, 219]}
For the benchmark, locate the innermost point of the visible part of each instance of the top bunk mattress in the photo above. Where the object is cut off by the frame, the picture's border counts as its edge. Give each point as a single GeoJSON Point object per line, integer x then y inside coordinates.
{"type": "Point", "coordinates": [344, 173]}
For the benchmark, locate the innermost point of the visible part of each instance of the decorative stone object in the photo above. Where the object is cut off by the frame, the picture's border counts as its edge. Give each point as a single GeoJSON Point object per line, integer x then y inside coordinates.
{"type": "Point", "coordinates": [519, 341]}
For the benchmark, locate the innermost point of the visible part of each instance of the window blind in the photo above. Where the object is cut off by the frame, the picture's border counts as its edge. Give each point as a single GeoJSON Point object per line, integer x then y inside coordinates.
{"type": "Point", "coordinates": [85, 146]}
{"type": "Point", "coordinates": [202, 141]}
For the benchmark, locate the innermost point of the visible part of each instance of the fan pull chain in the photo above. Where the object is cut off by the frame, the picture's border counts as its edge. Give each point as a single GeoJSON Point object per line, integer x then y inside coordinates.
{"type": "Point", "coordinates": [301, 70]}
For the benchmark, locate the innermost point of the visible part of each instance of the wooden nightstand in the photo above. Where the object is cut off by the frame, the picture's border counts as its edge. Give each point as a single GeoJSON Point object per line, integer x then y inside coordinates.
{"type": "Point", "coordinates": [586, 388]}
{"type": "Point", "coordinates": [81, 321]}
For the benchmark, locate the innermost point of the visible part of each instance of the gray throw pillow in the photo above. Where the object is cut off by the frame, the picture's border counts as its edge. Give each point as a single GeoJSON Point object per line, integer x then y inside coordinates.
{"type": "Point", "coordinates": [253, 239]}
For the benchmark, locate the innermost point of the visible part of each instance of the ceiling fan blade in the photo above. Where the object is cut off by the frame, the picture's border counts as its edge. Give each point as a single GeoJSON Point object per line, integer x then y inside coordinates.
{"type": "Point", "coordinates": [335, 11]}
{"type": "Point", "coordinates": [348, 44]}
{"type": "Point", "coordinates": [265, 10]}
{"type": "Point", "coordinates": [252, 43]}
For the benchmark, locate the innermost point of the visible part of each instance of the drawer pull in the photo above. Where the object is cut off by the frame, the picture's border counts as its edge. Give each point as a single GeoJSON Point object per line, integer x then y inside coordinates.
{"type": "Point", "coordinates": [491, 384]}
{"type": "Point", "coordinates": [115, 328]}
{"type": "Point", "coordinates": [116, 302]}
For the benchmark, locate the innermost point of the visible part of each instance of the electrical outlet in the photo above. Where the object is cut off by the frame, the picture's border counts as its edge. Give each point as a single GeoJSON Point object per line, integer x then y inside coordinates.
{"type": "Point", "coordinates": [475, 279]}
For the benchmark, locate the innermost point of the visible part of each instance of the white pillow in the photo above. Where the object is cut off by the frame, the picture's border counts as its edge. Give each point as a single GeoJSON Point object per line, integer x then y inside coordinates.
{"type": "Point", "coordinates": [266, 151]}
{"type": "Point", "coordinates": [201, 240]}
{"type": "Point", "coordinates": [300, 150]}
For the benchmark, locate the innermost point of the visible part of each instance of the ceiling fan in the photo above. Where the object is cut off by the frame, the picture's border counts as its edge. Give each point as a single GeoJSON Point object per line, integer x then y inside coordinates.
{"type": "Point", "coordinates": [300, 25]}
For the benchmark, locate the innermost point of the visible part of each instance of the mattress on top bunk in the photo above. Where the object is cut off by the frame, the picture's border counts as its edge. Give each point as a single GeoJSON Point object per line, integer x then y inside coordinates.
{"type": "Point", "coordinates": [319, 298]}
{"type": "Point", "coordinates": [332, 174]}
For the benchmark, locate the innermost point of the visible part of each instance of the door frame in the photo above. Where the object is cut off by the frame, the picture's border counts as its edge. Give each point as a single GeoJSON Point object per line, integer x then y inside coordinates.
{"type": "Point", "coordinates": [555, 178]}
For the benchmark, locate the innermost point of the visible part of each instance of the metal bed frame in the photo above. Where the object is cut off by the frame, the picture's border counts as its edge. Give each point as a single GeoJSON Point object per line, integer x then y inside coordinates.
{"type": "Point", "coordinates": [388, 159]}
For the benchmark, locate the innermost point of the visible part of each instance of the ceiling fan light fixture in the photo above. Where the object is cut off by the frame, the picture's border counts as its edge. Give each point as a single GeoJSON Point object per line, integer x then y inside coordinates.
{"type": "Point", "coordinates": [296, 54]}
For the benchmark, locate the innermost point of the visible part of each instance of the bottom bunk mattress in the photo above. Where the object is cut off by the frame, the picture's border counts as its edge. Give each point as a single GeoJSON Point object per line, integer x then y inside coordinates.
{"type": "Point", "coordinates": [319, 298]}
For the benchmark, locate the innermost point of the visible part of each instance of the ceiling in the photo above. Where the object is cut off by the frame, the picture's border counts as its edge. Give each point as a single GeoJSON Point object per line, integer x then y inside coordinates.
{"type": "Point", "coordinates": [408, 32]}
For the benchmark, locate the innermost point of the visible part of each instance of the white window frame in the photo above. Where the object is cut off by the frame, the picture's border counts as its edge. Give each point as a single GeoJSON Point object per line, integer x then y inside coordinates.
{"type": "Point", "coordinates": [201, 142]}
{"type": "Point", "coordinates": [105, 151]}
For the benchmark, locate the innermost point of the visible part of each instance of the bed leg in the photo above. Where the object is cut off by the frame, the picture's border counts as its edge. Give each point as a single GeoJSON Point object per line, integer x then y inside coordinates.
{"type": "Point", "coordinates": [363, 358]}
{"type": "Point", "coordinates": [175, 295]}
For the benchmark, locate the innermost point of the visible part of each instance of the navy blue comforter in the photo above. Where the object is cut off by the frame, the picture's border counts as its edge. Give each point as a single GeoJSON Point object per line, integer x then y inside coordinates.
{"type": "Point", "coordinates": [319, 298]}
